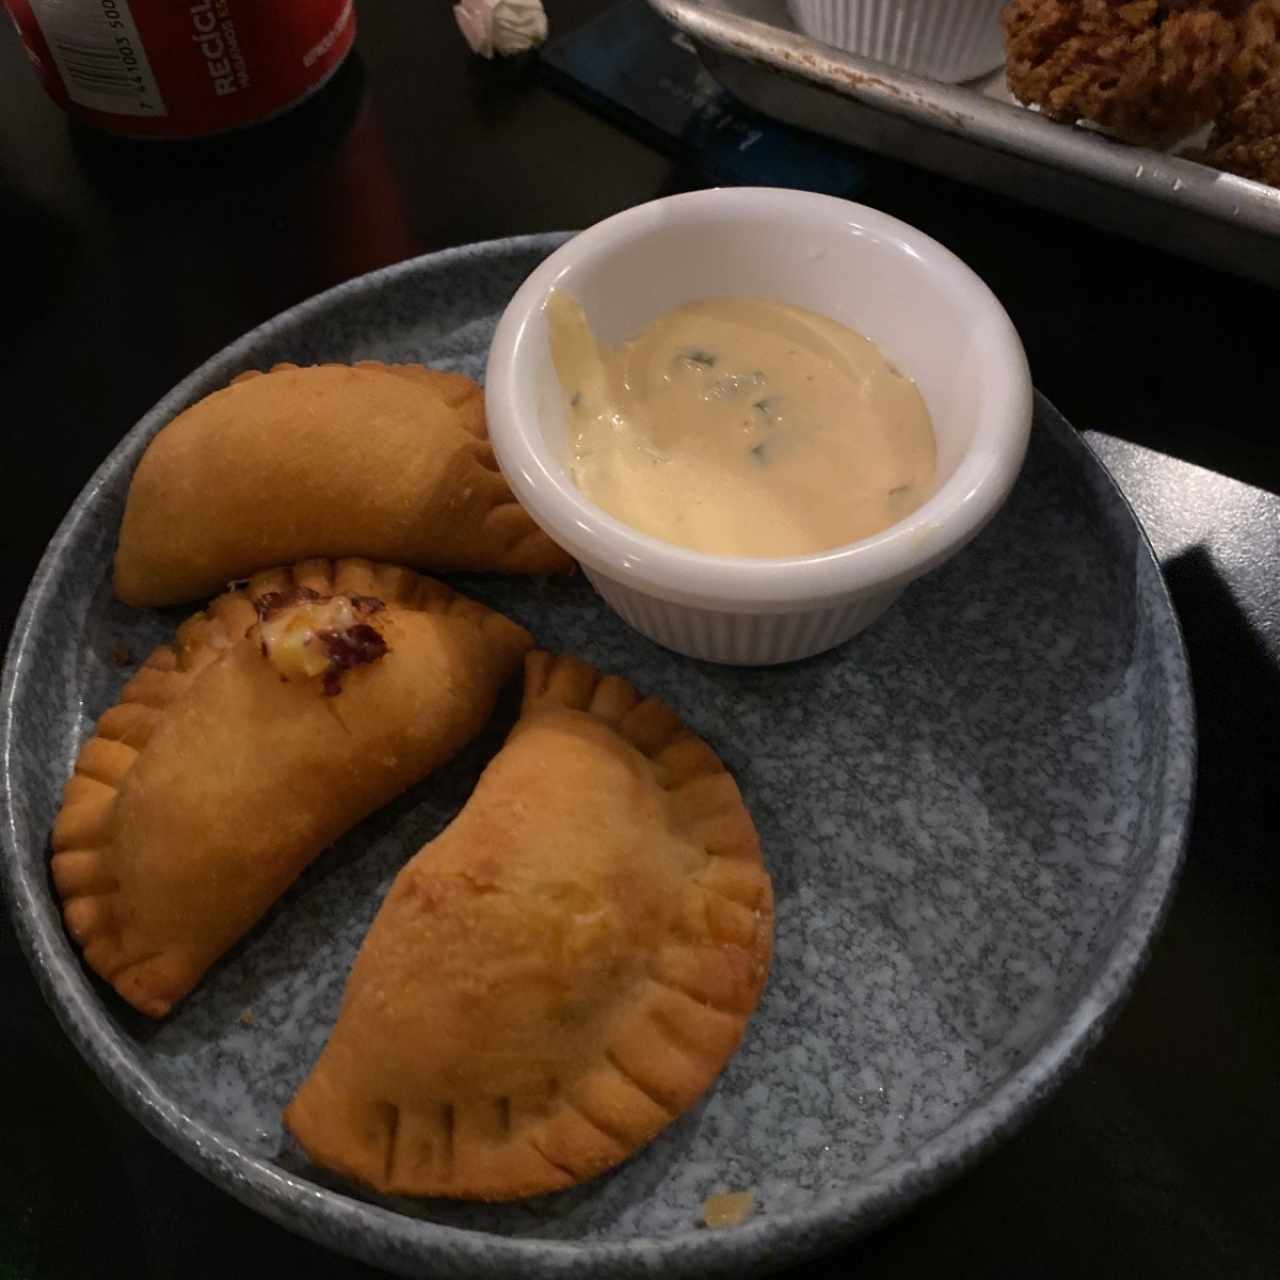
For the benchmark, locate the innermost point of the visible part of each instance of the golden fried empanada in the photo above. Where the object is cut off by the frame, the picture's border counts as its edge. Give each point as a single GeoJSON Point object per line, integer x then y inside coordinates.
{"type": "Point", "coordinates": [281, 716]}
{"type": "Point", "coordinates": [386, 461]}
{"type": "Point", "coordinates": [560, 973]}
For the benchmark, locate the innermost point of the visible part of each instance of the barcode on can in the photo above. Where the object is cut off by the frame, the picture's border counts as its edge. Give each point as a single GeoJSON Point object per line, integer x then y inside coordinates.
{"type": "Point", "coordinates": [97, 49]}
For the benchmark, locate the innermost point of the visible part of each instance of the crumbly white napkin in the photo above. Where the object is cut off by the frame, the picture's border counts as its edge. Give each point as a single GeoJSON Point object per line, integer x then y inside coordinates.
{"type": "Point", "coordinates": [501, 26]}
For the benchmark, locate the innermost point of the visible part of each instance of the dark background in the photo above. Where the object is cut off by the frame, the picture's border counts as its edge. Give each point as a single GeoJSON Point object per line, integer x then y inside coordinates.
{"type": "Point", "coordinates": [127, 265]}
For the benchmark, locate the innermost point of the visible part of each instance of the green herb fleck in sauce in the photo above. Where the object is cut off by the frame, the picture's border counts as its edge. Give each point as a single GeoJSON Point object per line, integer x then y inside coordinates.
{"type": "Point", "coordinates": [697, 356]}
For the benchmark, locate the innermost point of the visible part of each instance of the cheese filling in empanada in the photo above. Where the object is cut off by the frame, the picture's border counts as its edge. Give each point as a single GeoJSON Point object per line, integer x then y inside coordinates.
{"type": "Point", "coordinates": [386, 461]}
{"type": "Point", "coordinates": [282, 715]}
{"type": "Point", "coordinates": [560, 973]}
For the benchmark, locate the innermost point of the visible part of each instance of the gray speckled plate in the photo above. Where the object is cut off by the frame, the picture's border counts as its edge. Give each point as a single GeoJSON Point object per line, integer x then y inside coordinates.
{"type": "Point", "coordinates": [973, 813]}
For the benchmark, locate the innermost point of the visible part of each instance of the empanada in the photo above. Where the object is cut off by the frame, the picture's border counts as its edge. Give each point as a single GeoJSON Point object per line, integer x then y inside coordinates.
{"type": "Point", "coordinates": [560, 973]}
{"type": "Point", "coordinates": [237, 755]}
{"type": "Point", "coordinates": [386, 461]}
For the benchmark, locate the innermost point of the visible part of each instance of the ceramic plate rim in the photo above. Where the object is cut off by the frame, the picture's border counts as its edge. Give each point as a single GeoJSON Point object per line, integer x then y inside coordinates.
{"type": "Point", "coordinates": [399, 1241]}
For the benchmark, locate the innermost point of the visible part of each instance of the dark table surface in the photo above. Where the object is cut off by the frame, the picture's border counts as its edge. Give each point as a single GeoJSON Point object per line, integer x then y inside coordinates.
{"type": "Point", "coordinates": [127, 265]}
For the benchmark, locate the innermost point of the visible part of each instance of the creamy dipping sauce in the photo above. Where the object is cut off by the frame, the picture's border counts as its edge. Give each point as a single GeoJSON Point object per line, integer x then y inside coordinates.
{"type": "Point", "coordinates": [742, 427]}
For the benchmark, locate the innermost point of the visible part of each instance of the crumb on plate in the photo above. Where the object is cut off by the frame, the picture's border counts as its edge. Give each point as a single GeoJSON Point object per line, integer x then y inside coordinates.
{"type": "Point", "coordinates": [728, 1208]}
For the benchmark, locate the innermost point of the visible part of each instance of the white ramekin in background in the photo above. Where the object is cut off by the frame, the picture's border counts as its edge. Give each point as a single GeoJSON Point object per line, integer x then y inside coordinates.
{"type": "Point", "coordinates": [950, 40]}
{"type": "Point", "coordinates": [928, 312]}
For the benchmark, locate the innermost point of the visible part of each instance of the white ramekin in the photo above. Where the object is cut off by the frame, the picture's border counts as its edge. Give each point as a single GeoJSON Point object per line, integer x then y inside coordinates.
{"type": "Point", "coordinates": [948, 40]}
{"type": "Point", "coordinates": [927, 311]}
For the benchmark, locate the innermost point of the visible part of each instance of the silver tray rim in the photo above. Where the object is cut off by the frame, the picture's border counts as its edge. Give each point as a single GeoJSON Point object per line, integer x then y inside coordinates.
{"type": "Point", "coordinates": [966, 113]}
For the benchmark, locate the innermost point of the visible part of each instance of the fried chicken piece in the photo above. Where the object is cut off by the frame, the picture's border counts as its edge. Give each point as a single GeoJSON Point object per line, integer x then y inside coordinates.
{"type": "Point", "coordinates": [1246, 136]}
{"type": "Point", "coordinates": [1257, 58]}
{"type": "Point", "coordinates": [1147, 70]}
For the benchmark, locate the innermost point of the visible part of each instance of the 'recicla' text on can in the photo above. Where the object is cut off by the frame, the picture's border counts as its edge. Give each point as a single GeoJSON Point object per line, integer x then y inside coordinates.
{"type": "Point", "coordinates": [166, 69]}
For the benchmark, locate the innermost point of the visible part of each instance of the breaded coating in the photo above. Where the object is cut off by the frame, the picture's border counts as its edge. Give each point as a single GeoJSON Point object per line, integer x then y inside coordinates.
{"type": "Point", "coordinates": [1147, 70]}
{"type": "Point", "coordinates": [1246, 137]}
{"type": "Point", "coordinates": [1257, 58]}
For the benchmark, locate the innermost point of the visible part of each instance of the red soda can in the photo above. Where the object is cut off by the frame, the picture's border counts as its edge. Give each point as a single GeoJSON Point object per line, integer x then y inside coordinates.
{"type": "Point", "coordinates": [183, 68]}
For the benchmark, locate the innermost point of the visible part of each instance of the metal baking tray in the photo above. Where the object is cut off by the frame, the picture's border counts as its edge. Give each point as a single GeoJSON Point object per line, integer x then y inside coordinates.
{"type": "Point", "coordinates": [975, 132]}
